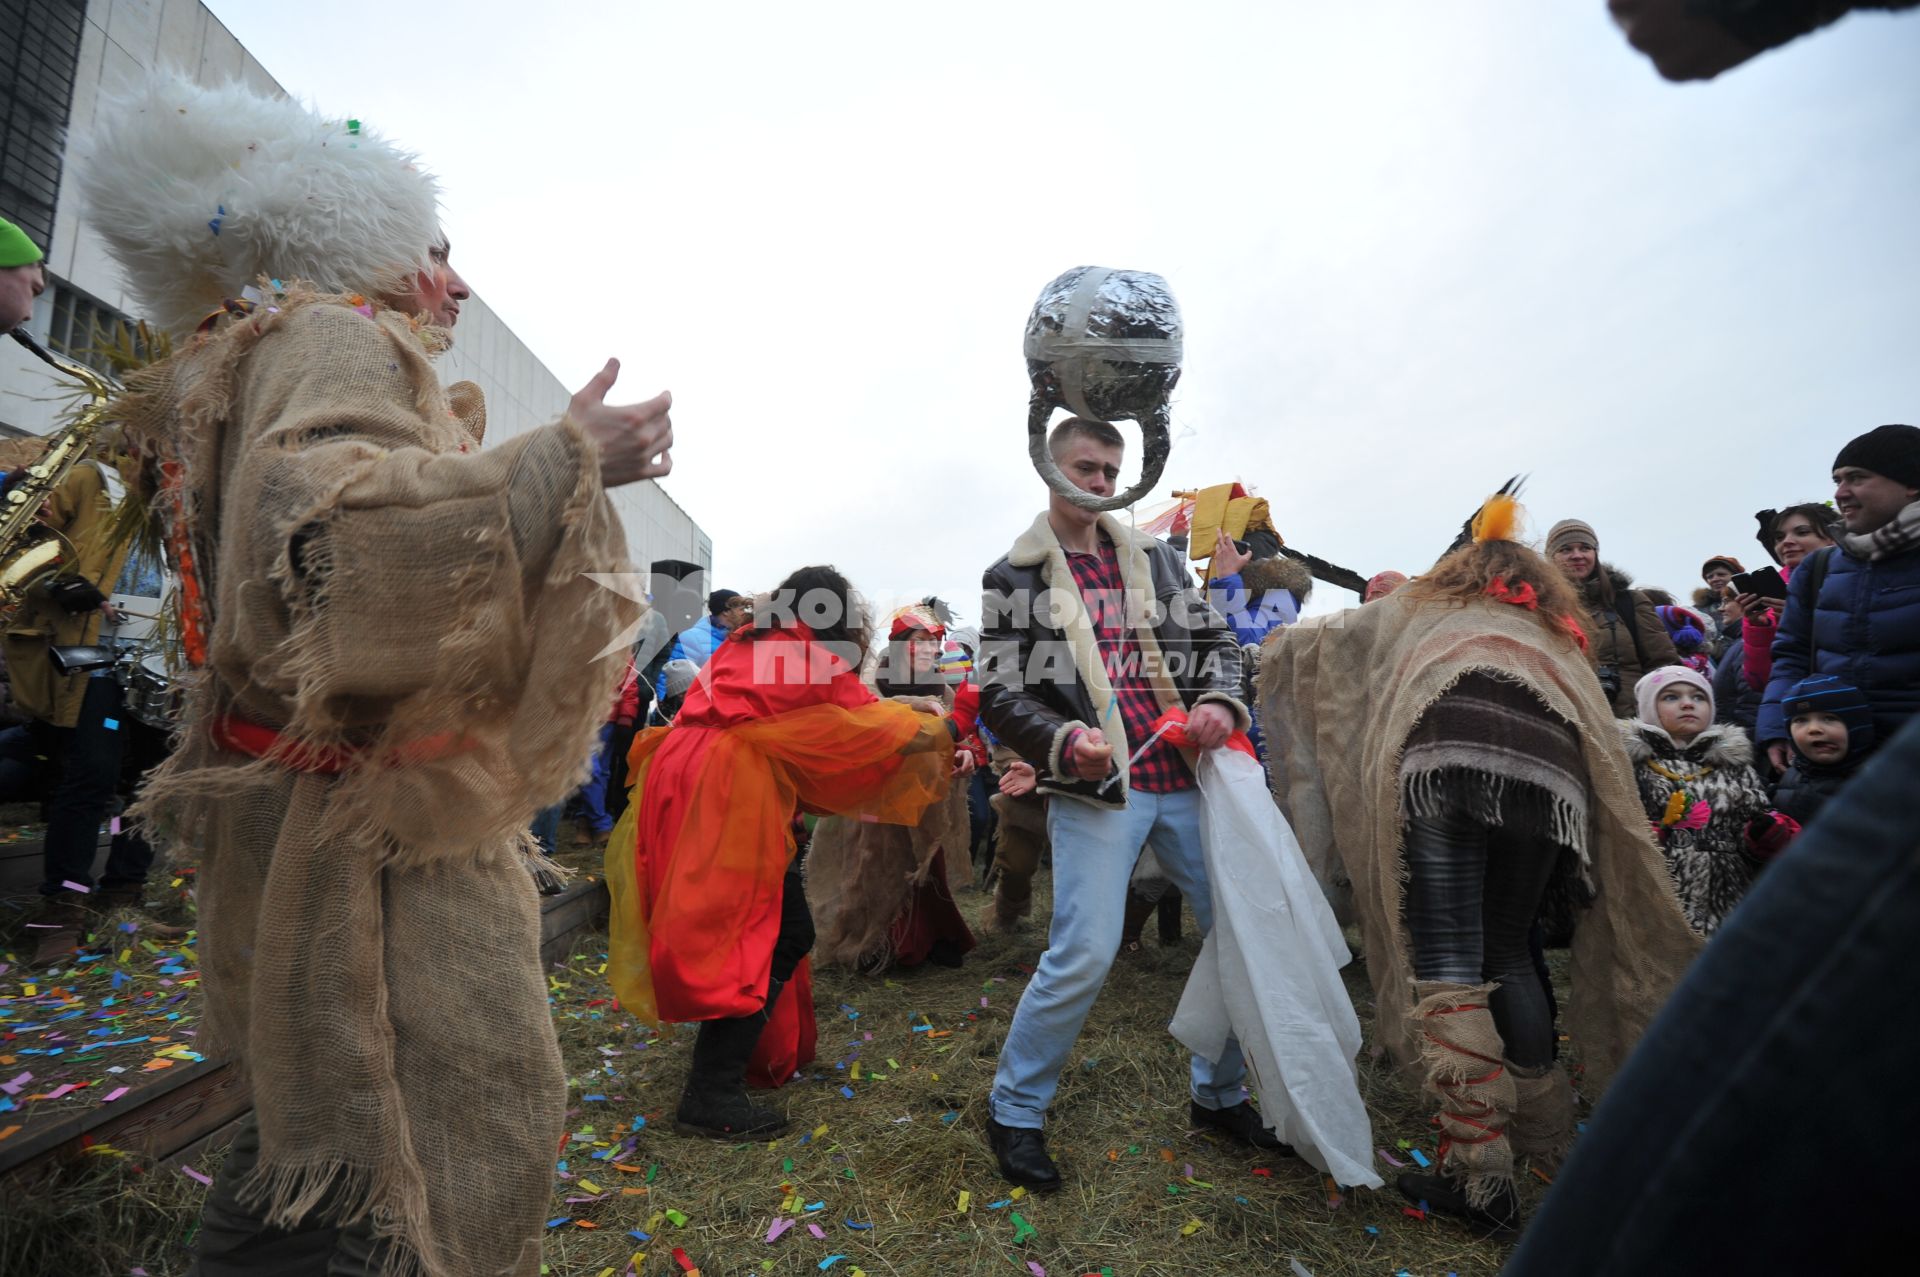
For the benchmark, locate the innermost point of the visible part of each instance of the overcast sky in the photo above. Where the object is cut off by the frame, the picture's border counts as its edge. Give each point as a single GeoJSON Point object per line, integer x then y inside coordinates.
{"type": "Point", "coordinates": [1418, 247]}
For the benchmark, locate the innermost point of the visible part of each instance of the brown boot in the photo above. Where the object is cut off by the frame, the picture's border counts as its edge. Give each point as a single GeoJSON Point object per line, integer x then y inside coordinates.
{"type": "Point", "coordinates": [58, 931]}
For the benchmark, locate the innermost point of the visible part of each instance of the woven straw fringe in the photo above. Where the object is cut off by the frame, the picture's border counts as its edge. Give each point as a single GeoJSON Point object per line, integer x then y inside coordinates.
{"type": "Point", "coordinates": [1463, 1058]}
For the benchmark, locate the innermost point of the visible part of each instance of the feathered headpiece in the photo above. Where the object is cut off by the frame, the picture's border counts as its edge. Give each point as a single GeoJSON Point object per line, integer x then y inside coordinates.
{"type": "Point", "coordinates": [1497, 519]}
{"type": "Point", "coordinates": [200, 191]}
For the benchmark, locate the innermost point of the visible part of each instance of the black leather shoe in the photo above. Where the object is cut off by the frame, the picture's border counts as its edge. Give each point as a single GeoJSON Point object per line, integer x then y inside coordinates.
{"type": "Point", "coordinates": [1022, 1154]}
{"type": "Point", "coordinates": [1241, 1122]}
{"type": "Point", "coordinates": [1438, 1194]}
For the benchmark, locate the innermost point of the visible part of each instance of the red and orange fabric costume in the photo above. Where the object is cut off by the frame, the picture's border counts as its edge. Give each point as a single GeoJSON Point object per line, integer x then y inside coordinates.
{"type": "Point", "coordinates": [776, 722]}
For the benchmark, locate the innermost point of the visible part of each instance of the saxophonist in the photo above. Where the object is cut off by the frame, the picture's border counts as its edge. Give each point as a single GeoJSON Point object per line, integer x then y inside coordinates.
{"type": "Point", "coordinates": [69, 754]}
{"type": "Point", "coordinates": [21, 277]}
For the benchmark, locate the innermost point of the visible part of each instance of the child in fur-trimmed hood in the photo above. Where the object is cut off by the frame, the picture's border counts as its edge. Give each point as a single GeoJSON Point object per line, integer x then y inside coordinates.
{"type": "Point", "coordinates": [1709, 810]}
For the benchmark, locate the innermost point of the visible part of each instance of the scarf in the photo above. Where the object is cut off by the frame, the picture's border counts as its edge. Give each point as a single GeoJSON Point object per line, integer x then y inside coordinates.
{"type": "Point", "coordinates": [1896, 536]}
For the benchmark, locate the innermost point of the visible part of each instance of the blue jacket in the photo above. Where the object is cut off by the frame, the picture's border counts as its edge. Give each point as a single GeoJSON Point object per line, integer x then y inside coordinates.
{"type": "Point", "coordinates": [696, 643]}
{"type": "Point", "coordinates": [1733, 700]}
{"type": "Point", "coordinates": [1864, 628]}
{"type": "Point", "coordinates": [1252, 615]}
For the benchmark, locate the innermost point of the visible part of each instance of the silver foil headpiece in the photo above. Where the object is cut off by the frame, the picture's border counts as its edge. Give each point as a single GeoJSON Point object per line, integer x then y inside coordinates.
{"type": "Point", "coordinates": [1103, 344]}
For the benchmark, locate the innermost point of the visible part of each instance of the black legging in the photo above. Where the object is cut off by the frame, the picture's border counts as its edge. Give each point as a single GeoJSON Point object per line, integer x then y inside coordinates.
{"type": "Point", "coordinates": [795, 940]}
{"type": "Point", "coordinates": [1473, 891]}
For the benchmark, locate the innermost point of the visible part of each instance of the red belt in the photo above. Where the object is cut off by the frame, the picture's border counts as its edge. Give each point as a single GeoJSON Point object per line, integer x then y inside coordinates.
{"type": "Point", "coordinates": [256, 740]}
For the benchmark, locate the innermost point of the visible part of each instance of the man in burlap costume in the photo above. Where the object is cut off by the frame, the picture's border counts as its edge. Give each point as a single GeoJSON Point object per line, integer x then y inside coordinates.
{"type": "Point", "coordinates": [1349, 698]}
{"type": "Point", "coordinates": [399, 660]}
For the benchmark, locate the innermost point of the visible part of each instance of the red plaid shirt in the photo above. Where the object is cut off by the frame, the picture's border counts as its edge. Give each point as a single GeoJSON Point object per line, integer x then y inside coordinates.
{"type": "Point", "coordinates": [1160, 770]}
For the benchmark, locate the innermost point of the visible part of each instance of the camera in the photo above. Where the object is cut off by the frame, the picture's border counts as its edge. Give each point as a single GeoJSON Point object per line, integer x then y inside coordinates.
{"type": "Point", "coordinates": [1609, 680]}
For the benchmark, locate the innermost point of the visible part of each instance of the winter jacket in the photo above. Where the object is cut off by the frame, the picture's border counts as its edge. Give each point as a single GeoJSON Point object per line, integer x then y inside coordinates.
{"type": "Point", "coordinates": [1863, 629]}
{"type": "Point", "coordinates": [1806, 786]}
{"type": "Point", "coordinates": [1734, 700]}
{"type": "Point", "coordinates": [81, 509]}
{"type": "Point", "coordinates": [1630, 647]}
{"type": "Point", "coordinates": [1261, 597]}
{"type": "Point", "coordinates": [1040, 670]}
{"type": "Point", "coordinates": [626, 701]}
{"type": "Point", "coordinates": [696, 643]}
{"type": "Point", "coordinates": [1708, 852]}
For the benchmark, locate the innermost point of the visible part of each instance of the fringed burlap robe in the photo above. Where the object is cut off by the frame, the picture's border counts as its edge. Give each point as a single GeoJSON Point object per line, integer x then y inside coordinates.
{"type": "Point", "coordinates": [1340, 696]}
{"type": "Point", "coordinates": [861, 875]}
{"type": "Point", "coordinates": [370, 939]}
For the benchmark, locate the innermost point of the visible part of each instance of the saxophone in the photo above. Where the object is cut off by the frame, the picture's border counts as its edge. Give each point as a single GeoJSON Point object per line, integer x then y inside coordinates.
{"type": "Point", "coordinates": [31, 552]}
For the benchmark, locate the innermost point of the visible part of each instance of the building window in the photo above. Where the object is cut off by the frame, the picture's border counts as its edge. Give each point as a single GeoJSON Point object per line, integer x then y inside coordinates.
{"type": "Point", "coordinates": [39, 54]}
{"type": "Point", "coordinates": [85, 330]}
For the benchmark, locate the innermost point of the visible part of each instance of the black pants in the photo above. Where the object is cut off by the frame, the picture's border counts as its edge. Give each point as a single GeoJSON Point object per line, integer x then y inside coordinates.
{"type": "Point", "coordinates": [1473, 892]}
{"type": "Point", "coordinates": [795, 940]}
{"type": "Point", "coordinates": [77, 770]}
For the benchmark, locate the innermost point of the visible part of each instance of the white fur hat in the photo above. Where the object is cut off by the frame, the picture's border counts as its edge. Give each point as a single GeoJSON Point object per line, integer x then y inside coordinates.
{"type": "Point", "coordinates": [200, 191]}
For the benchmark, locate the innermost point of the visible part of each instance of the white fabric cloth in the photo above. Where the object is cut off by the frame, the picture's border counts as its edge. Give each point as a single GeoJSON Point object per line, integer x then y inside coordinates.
{"type": "Point", "coordinates": [1269, 975]}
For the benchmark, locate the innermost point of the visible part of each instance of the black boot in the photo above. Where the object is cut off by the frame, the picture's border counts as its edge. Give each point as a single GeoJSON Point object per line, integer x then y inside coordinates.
{"type": "Point", "coordinates": [1169, 910]}
{"type": "Point", "coordinates": [1241, 1122]}
{"type": "Point", "coordinates": [1434, 1192]}
{"type": "Point", "coordinates": [1022, 1154]}
{"type": "Point", "coordinates": [715, 1103]}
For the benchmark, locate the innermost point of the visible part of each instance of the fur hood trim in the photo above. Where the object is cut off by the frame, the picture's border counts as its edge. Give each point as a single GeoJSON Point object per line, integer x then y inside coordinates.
{"type": "Point", "coordinates": [1278, 573]}
{"type": "Point", "coordinates": [199, 192]}
{"type": "Point", "coordinates": [1723, 744]}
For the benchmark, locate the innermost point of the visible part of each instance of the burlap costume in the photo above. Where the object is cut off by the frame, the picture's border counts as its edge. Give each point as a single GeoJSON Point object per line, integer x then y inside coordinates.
{"type": "Point", "coordinates": [410, 614]}
{"type": "Point", "coordinates": [862, 875]}
{"type": "Point", "coordinates": [1340, 694]}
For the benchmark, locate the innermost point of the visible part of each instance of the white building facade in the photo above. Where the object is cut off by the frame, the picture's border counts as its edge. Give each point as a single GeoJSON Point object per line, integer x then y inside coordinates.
{"type": "Point", "coordinates": [57, 57]}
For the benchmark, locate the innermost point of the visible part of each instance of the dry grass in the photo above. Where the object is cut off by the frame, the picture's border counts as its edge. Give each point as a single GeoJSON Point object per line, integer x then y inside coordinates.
{"type": "Point", "coordinates": [896, 1156]}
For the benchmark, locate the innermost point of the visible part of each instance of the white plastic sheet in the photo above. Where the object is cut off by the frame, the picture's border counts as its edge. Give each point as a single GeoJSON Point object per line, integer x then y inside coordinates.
{"type": "Point", "coordinates": [1269, 975]}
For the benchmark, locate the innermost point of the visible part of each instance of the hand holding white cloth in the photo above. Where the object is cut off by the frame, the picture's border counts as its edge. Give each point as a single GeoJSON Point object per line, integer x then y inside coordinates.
{"type": "Point", "coordinates": [1269, 975]}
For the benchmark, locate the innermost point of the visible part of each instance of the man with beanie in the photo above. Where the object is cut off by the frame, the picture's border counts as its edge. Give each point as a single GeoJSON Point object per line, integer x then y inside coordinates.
{"type": "Point", "coordinates": [727, 610]}
{"type": "Point", "coordinates": [1628, 638]}
{"type": "Point", "coordinates": [75, 727]}
{"type": "Point", "coordinates": [1853, 610]}
{"type": "Point", "coordinates": [21, 276]}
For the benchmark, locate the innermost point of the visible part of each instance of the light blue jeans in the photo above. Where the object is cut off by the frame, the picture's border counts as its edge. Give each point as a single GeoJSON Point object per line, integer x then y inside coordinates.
{"type": "Point", "coordinates": [1094, 850]}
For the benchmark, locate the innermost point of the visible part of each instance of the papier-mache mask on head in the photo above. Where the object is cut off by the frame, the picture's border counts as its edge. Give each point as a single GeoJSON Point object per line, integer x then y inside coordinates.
{"type": "Point", "coordinates": [199, 192]}
{"type": "Point", "coordinates": [1105, 345]}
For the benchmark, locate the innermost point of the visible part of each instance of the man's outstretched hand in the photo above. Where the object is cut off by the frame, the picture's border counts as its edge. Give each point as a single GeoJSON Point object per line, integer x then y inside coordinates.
{"type": "Point", "coordinates": [635, 441]}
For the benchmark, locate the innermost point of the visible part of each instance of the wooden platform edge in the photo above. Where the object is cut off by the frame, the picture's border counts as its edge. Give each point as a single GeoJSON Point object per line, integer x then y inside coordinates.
{"type": "Point", "coordinates": [193, 1105]}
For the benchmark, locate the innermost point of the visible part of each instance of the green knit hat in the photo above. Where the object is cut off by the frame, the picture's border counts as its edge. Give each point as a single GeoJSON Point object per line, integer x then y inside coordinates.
{"type": "Point", "coordinates": [15, 248]}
